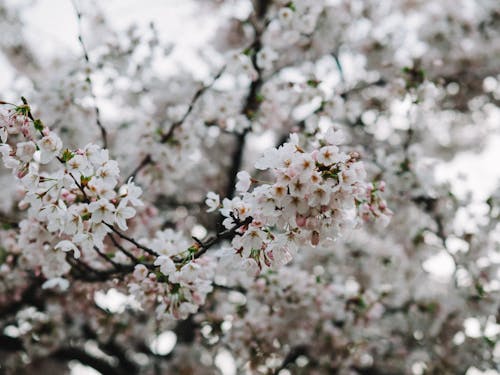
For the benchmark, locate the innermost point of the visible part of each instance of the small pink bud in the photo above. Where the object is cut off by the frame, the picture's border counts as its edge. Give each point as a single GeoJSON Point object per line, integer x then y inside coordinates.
{"type": "Point", "coordinates": [197, 298]}
{"type": "Point", "coordinates": [291, 173]}
{"type": "Point", "coordinates": [22, 173]}
{"type": "Point", "coordinates": [23, 205]}
{"type": "Point", "coordinates": [260, 284]}
{"type": "Point", "coordinates": [312, 223]}
{"type": "Point", "coordinates": [25, 130]}
{"type": "Point", "coordinates": [314, 238]}
{"type": "Point", "coordinates": [301, 220]}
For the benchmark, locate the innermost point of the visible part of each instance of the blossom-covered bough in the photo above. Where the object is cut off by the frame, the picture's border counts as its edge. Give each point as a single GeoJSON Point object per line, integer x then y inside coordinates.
{"type": "Point", "coordinates": [282, 216]}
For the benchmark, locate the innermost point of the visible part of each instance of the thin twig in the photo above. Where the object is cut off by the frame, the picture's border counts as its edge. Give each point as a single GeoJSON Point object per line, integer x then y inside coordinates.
{"type": "Point", "coordinates": [132, 241]}
{"type": "Point", "coordinates": [122, 249]}
{"type": "Point", "coordinates": [169, 135]}
{"type": "Point", "coordinates": [227, 234]}
{"type": "Point", "coordinates": [252, 102]}
{"type": "Point", "coordinates": [106, 258]}
{"type": "Point", "coordinates": [144, 162]}
{"type": "Point", "coordinates": [88, 78]}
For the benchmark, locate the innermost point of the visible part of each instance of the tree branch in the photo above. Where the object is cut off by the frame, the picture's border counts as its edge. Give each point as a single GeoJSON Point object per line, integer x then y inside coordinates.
{"type": "Point", "coordinates": [88, 78]}
{"type": "Point", "coordinates": [72, 353]}
{"type": "Point", "coordinates": [169, 135]}
{"type": "Point", "coordinates": [252, 103]}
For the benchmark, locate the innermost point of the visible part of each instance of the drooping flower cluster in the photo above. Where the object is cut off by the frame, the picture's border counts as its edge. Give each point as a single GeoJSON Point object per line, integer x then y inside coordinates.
{"type": "Point", "coordinates": [312, 198]}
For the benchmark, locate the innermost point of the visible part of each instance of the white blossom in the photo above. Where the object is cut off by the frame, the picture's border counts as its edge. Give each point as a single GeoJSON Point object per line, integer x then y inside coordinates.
{"type": "Point", "coordinates": [122, 213]}
{"type": "Point", "coordinates": [166, 264]}
{"type": "Point", "coordinates": [102, 210]}
{"type": "Point", "coordinates": [66, 246]}
{"type": "Point", "coordinates": [212, 201]}
{"type": "Point", "coordinates": [50, 145]}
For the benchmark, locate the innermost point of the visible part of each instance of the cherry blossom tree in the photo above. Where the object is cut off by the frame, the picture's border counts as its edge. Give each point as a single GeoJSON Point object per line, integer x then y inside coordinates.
{"type": "Point", "coordinates": [283, 214]}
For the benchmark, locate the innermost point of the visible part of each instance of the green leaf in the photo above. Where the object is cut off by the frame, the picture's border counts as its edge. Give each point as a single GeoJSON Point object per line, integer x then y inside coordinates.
{"type": "Point", "coordinates": [313, 82]}
{"type": "Point", "coordinates": [414, 76]}
{"type": "Point", "coordinates": [480, 290]}
{"type": "Point", "coordinates": [248, 51]}
{"type": "Point", "coordinates": [38, 124]}
{"type": "Point", "coordinates": [161, 277]}
{"type": "Point", "coordinates": [491, 343]}
{"type": "Point", "coordinates": [23, 110]}
{"type": "Point", "coordinates": [259, 97]}
{"type": "Point", "coordinates": [175, 288]}
{"type": "Point", "coordinates": [67, 155]}
{"type": "Point", "coordinates": [84, 180]}
{"type": "Point", "coordinates": [432, 307]}
{"type": "Point", "coordinates": [361, 303]}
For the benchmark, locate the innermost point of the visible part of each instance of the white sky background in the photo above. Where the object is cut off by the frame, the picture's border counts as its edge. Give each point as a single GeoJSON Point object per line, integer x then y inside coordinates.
{"type": "Point", "coordinates": [52, 25]}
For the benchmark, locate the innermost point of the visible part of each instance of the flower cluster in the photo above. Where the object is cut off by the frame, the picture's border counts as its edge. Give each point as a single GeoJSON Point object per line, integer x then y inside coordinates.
{"type": "Point", "coordinates": [299, 16]}
{"type": "Point", "coordinates": [73, 204]}
{"type": "Point", "coordinates": [176, 283]}
{"type": "Point", "coordinates": [312, 198]}
{"type": "Point", "coordinates": [418, 296]}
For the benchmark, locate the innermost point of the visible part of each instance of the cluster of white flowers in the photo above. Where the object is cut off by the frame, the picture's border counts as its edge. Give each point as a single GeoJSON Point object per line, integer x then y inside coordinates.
{"type": "Point", "coordinates": [241, 63]}
{"type": "Point", "coordinates": [223, 110]}
{"type": "Point", "coordinates": [312, 198]}
{"type": "Point", "coordinates": [71, 206]}
{"type": "Point", "coordinates": [37, 330]}
{"type": "Point", "coordinates": [183, 282]}
{"type": "Point", "coordinates": [300, 16]}
{"type": "Point", "coordinates": [396, 299]}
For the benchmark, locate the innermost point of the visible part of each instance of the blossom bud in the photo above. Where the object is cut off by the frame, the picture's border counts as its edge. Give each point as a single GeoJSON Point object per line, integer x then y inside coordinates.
{"type": "Point", "coordinates": [315, 238]}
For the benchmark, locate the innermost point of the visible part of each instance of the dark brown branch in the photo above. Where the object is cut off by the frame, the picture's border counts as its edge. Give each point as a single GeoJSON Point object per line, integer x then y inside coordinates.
{"type": "Point", "coordinates": [8, 222]}
{"type": "Point", "coordinates": [361, 87]}
{"type": "Point", "coordinates": [80, 187]}
{"type": "Point", "coordinates": [112, 348]}
{"type": "Point", "coordinates": [106, 258]}
{"type": "Point", "coordinates": [252, 102]}
{"type": "Point", "coordinates": [101, 365]}
{"type": "Point", "coordinates": [122, 249]}
{"type": "Point", "coordinates": [102, 275]}
{"type": "Point", "coordinates": [144, 162]}
{"type": "Point", "coordinates": [10, 344]}
{"type": "Point", "coordinates": [227, 234]}
{"type": "Point", "coordinates": [28, 297]}
{"type": "Point", "coordinates": [132, 241]}
{"type": "Point", "coordinates": [291, 357]}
